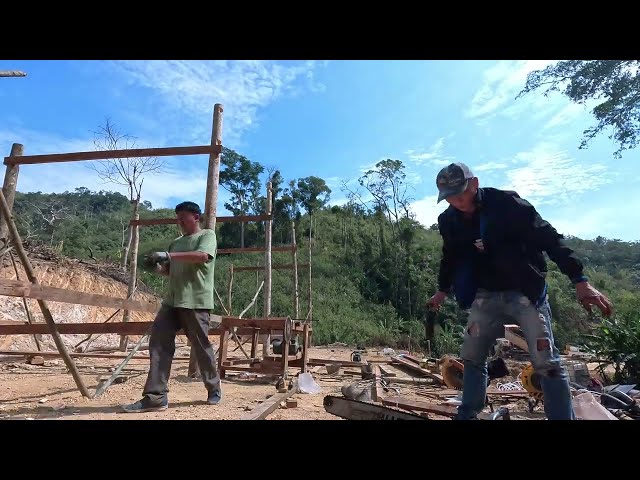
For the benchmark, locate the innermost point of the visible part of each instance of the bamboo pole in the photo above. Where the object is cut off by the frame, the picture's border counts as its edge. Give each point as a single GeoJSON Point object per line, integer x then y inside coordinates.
{"type": "Point", "coordinates": [46, 313]}
{"type": "Point", "coordinates": [294, 252]}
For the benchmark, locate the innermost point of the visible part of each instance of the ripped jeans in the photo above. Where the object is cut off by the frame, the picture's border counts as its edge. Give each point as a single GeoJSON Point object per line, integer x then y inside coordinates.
{"type": "Point", "coordinates": [489, 313]}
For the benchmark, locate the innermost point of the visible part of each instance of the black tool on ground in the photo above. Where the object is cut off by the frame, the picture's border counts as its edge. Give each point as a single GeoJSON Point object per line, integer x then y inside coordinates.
{"type": "Point", "coordinates": [294, 346]}
{"type": "Point", "coordinates": [356, 355]}
{"type": "Point", "coordinates": [617, 399]}
{"type": "Point", "coordinates": [430, 324]}
{"type": "Point", "coordinates": [496, 368]}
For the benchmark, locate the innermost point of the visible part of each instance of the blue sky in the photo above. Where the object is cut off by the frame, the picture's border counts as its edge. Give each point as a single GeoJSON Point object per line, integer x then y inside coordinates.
{"type": "Point", "coordinates": [331, 119]}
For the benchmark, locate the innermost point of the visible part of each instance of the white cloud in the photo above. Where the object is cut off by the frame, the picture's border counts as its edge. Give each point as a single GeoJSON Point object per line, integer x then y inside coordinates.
{"type": "Point", "coordinates": [565, 116]}
{"type": "Point", "coordinates": [502, 83]}
{"type": "Point", "coordinates": [427, 210]}
{"type": "Point", "coordinates": [589, 224]}
{"type": "Point", "coordinates": [40, 143]}
{"type": "Point", "coordinates": [549, 175]}
{"type": "Point", "coordinates": [434, 155]}
{"type": "Point", "coordinates": [190, 88]}
{"type": "Point", "coordinates": [485, 167]}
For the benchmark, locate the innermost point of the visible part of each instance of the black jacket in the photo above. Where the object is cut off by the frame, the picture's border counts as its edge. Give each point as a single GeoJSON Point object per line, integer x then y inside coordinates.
{"type": "Point", "coordinates": [514, 238]}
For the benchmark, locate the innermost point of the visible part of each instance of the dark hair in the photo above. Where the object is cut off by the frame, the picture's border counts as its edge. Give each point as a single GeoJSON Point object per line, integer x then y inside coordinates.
{"type": "Point", "coordinates": [190, 207]}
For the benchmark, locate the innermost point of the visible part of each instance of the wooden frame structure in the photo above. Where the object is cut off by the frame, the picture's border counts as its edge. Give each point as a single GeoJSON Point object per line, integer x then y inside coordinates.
{"type": "Point", "coordinates": [229, 326]}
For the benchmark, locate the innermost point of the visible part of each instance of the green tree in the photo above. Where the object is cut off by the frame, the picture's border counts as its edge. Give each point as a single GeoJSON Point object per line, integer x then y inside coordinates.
{"type": "Point", "coordinates": [241, 178]}
{"type": "Point", "coordinates": [615, 84]}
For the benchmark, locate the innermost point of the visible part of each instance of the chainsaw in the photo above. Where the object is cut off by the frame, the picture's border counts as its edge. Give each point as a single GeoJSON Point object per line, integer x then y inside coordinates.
{"type": "Point", "coordinates": [356, 410]}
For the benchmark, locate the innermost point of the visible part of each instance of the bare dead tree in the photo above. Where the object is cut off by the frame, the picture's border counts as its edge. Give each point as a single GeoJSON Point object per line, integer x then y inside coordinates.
{"type": "Point", "coordinates": [130, 173]}
{"type": "Point", "coordinates": [50, 214]}
{"type": "Point", "coordinates": [127, 172]}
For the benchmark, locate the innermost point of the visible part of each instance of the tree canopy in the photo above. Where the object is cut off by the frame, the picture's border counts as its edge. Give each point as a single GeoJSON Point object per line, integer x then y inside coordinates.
{"type": "Point", "coordinates": [613, 84]}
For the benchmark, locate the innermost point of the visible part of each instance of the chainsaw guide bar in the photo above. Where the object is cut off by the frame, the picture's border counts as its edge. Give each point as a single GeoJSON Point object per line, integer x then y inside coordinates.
{"type": "Point", "coordinates": [357, 410]}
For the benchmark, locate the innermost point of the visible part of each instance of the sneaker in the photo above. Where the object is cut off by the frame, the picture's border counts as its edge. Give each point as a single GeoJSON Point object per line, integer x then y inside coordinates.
{"type": "Point", "coordinates": [214, 397]}
{"type": "Point", "coordinates": [141, 406]}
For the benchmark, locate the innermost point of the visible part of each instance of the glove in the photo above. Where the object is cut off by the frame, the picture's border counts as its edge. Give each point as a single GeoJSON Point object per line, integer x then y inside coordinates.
{"type": "Point", "coordinates": [158, 257]}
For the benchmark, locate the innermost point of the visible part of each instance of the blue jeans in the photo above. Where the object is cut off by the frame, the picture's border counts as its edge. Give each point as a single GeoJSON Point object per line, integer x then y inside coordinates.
{"type": "Point", "coordinates": [489, 313]}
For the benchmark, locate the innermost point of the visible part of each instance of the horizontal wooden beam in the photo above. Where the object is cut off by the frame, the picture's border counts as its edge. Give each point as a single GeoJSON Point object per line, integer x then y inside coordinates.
{"type": "Point", "coordinates": [15, 288]}
{"type": "Point", "coordinates": [109, 154]}
{"type": "Point", "coordinates": [288, 266]}
{"type": "Point", "coordinates": [146, 222]}
{"type": "Point", "coordinates": [253, 249]}
{"type": "Point", "coordinates": [121, 328]}
{"type": "Point", "coordinates": [273, 323]}
{"type": "Point", "coordinates": [12, 73]}
{"type": "Point", "coordinates": [115, 356]}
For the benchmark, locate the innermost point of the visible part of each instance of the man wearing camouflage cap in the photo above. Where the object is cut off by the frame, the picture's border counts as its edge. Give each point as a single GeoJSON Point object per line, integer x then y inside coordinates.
{"type": "Point", "coordinates": [493, 263]}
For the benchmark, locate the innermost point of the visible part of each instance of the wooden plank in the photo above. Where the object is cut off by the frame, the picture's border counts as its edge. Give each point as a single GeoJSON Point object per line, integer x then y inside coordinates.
{"type": "Point", "coordinates": [327, 361]}
{"type": "Point", "coordinates": [15, 288]}
{"type": "Point", "coordinates": [223, 219]}
{"type": "Point", "coordinates": [512, 333]}
{"type": "Point", "coordinates": [252, 250]}
{"type": "Point", "coordinates": [109, 154]}
{"type": "Point", "coordinates": [386, 371]}
{"type": "Point", "coordinates": [377, 394]}
{"type": "Point", "coordinates": [271, 404]}
{"type": "Point", "coordinates": [413, 405]}
{"type": "Point", "coordinates": [115, 356]}
{"type": "Point", "coordinates": [274, 323]}
{"type": "Point", "coordinates": [121, 328]}
{"type": "Point", "coordinates": [287, 266]}
{"type": "Point", "coordinates": [416, 368]}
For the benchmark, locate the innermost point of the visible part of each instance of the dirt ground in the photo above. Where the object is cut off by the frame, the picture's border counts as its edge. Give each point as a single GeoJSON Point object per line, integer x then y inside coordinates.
{"type": "Point", "coordinates": [49, 392]}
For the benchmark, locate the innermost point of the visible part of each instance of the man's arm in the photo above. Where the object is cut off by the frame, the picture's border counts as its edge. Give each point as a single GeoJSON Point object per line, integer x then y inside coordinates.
{"type": "Point", "coordinates": [205, 251]}
{"type": "Point", "coordinates": [546, 238]}
{"type": "Point", "coordinates": [195, 256]}
{"type": "Point", "coordinates": [446, 271]}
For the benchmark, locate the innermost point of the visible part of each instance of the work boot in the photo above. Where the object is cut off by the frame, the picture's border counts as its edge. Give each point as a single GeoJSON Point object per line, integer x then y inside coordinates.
{"type": "Point", "coordinates": [144, 406]}
{"type": "Point", "coordinates": [214, 397]}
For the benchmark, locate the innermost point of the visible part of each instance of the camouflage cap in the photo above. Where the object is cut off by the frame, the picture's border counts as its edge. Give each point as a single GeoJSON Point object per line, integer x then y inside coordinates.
{"type": "Point", "coordinates": [453, 180]}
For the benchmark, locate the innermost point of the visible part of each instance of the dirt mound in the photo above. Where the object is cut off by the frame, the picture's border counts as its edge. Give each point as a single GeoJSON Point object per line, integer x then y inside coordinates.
{"type": "Point", "coordinates": [57, 271]}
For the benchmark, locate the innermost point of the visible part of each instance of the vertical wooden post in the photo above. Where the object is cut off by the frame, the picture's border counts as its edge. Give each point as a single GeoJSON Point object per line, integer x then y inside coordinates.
{"type": "Point", "coordinates": [133, 272]}
{"type": "Point", "coordinates": [210, 202]}
{"type": "Point", "coordinates": [213, 176]}
{"type": "Point", "coordinates": [9, 188]}
{"type": "Point", "coordinates": [230, 290]}
{"type": "Point", "coordinates": [46, 313]}
{"type": "Point", "coordinates": [310, 314]}
{"type": "Point", "coordinates": [267, 270]}
{"type": "Point", "coordinates": [296, 307]}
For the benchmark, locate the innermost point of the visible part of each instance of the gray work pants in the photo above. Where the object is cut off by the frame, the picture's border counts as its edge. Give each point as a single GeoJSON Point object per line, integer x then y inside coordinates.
{"type": "Point", "coordinates": [162, 346]}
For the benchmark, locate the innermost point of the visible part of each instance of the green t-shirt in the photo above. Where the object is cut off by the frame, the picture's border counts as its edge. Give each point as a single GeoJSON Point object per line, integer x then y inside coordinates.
{"type": "Point", "coordinates": [191, 284]}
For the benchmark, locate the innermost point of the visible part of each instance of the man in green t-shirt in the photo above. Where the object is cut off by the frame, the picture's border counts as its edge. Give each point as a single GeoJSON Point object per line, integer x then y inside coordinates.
{"type": "Point", "coordinates": [189, 263]}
